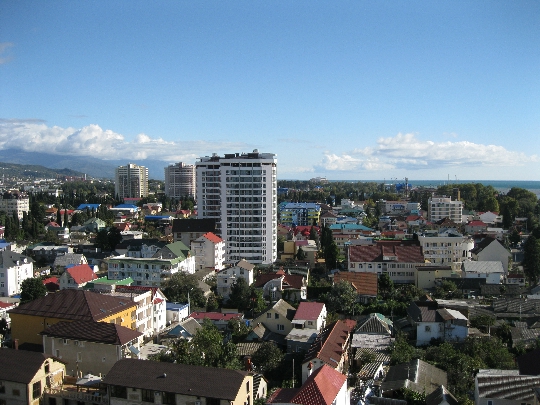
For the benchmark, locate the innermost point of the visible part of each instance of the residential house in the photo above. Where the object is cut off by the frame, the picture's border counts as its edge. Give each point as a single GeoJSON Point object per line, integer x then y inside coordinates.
{"type": "Point", "coordinates": [365, 284]}
{"type": "Point", "coordinates": [184, 330]}
{"type": "Point", "coordinates": [398, 261]}
{"type": "Point", "coordinates": [48, 253]}
{"type": "Point", "coordinates": [433, 322]}
{"type": "Point", "coordinates": [61, 261]}
{"type": "Point", "coordinates": [447, 247]}
{"type": "Point", "coordinates": [325, 386]}
{"type": "Point", "coordinates": [209, 251]}
{"type": "Point", "coordinates": [280, 285]}
{"type": "Point", "coordinates": [5, 306]}
{"type": "Point", "coordinates": [491, 249]}
{"type": "Point", "coordinates": [219, 319]}
{"type": "Point", "coordinates": [90, 347]}
{"type": "Point", "coordinates": [188, 230]}
{"type": "Point", "coordinates": [176, 312]}
{"type": "Point", "coordinates": [14, 269]}
{"type": "Point", "coordinates": [474, 227]}
{"type": "Point", "coordinates": [310, 317]}
{"type": "Point", "coordinates": [94, 225]}
{"type": "Point", "coordinates": [227, 277]}
{"type": "Point", "coordinates": [133, 381]}
{"type": "Point", "coordinates": [493, 271]}
{"type": "Point", "coordinates": [331, 347]}
{"type": "Point", "coordinates": [76, 277]}
{"type": "Point", "coordinates": [328, 218]}
{"type": "Point", "coordinates": [416, 375]}
{"type": "Point", "coordinates": [491, 218]}
{"type": "Point", "coordinates": [277, 318]}
{"type": "Point", "coordinates": [373, 335]}
{"type": "Point", "coordinates": [24, 376]}
{"type": "Point", "coordinates": [516, 279]}
{"type": "Point", "coordinates": [428, 277]}
{"type": "Point", "coordinates": [504, 387]}
{"type": "Point", "coordinates": [139, 248]}
{"type": "Point", "coordinates": [152, 272]}
{"type": "Point", "coordinates": [28, 320]}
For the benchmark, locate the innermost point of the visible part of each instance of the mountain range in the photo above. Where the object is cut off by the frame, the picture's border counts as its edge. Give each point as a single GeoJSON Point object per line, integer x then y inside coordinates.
{"type": "Point", "coordinates": [91, 166]}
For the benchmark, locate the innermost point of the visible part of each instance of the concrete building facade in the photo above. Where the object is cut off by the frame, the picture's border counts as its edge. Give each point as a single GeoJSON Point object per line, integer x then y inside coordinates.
{"type": "Point", "coordinates": [131, 181]}
{"type": "Point", "coordinates": [180, 180]}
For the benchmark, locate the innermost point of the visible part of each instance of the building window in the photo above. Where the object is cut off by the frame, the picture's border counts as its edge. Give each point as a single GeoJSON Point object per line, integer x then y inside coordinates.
{"type": "Point", "coordinates": [36, 390]}
{"type": "Point", "coordinates": [276, 316]}
{"type": "Point", "coordinates": [428, 328]}
{"type": "Point", "coordinates": [268, 315]}
{"type": "Point", "coordinates": [281, 327]}
{"type": "Point", "coordinates": [118, 391]}
{"type": "Point", "coordinates": [168, 398]}
{"type": "Point", "coordinates": [16, 393]}
{"type": "Point", "coordinates": [46, 368]}
{"type": "Point", "coordinates": [147, 395]}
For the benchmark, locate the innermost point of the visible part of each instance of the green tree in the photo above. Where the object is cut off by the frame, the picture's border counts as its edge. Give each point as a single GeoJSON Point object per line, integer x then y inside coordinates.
{"type": "Point", "coordinates": [108, 238]}
{"type": "Point", "coordinates": [31, 289]}
{"type": "Point", "coordinates": [267, 358]}
{"type": "Point", "coordinates": [177, 287]}
{"type": "Point", "coordinates": [331, 254]}
{"type": "Point", "coordinates": [386, 285]}
{"type": "Point", "coordinates": [341, 298]}
{"type": "Point", "coordinates": [240, 295]}
{"type": "Point", "coordinates": [300, 254]}
{"type": "Point", "coordinates": [238, 329]}
{"type": "Point", "coordinates": [531, 259]}
{"type": "Point", "coordinates": [483, 321]}
{"type": "Point", "coordinates": [402, 352]}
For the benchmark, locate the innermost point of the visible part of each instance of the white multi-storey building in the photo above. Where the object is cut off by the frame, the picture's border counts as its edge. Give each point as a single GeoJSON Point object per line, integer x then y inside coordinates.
{"type": "Point", "coordinates": [131, 181]}
{"type": "Point", "coordinates": [443, 207]}
{"type": "Point", "coordinates": [209, 252]}
{"type": "Point", "coordinates": [180, 180]}
{"type": "Point", "coordinates": [14, 203]}
{"type": "Point", "coordinates": [447, 248]}
{"type": "Point", "coordinates": [14, 269]}
{"type": "Point", "coordinates": [240, 192]}
{"type": "Point", "coordinates": [226, 278]}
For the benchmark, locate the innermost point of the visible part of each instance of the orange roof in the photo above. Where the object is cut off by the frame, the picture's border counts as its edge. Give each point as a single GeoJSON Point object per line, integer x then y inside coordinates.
{"type": "Point", "coordinates": [212, 237]}
{"type": "Point", "coordinates": [363, 282]}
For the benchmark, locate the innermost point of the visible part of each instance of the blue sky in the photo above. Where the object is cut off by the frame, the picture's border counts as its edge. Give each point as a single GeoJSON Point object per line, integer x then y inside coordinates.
{"type": "Point", "coordinates": [355, 90]}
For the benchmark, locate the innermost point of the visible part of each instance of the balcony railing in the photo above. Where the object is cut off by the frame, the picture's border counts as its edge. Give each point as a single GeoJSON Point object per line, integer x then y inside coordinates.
{"type": "Point", "coordinates": [87, 397]}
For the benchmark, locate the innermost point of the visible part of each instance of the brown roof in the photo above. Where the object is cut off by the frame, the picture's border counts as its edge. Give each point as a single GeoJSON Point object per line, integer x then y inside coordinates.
{"type": "Point", "coordinates": [377, 253]}
{"type": "Point", "coordinates": [75, 305]}
{"type": "Point", "coordinates": [328, 345]}
{"type": "Point", "coordinates": [291, 280]}
{"type": "Point", "coordinates": [364, 283]}
{"type": "Point", "coordinates": [20, 365]}
{"type": "Point", "coordinates": [89, 331]}
{"type": "Point", "coordinates": [308, 311]}
{"type": "Point", "coordinates": [177, 378]}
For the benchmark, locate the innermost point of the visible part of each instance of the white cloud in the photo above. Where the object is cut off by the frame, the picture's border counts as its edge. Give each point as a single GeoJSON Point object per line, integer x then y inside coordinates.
{"type": "Point", "coordinates": [34, 135]}
{"type": "Point", "coordinates": [406, 151]}
{"type": "Point", "coordinates": [4, 46]}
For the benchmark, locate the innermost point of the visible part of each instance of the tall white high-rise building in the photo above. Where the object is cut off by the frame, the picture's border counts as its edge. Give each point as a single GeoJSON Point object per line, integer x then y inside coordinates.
{"type": "Point", "coordinates": [180, 180]}
{"type": "Point", "coordinates": [131, 181]}
{"type": "Point", "coordinates": [240, 192]}
{"type": "Point", "coordinates": [443, 207]}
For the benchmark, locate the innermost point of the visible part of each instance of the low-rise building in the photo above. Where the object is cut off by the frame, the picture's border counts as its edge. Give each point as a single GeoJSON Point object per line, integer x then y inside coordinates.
{"type": "Point", "coordinates": [76, 277]}
{"type": "Point", "coordinates": [492, 272]}
{"type": "Point", "coordinates": [209, 252]}
{"type": "Point", "coordinates": [277, 318]}
{"type": "Point", "coordinates": [227, 277]}
{"type": "Point", "coordinates": [280, 285]}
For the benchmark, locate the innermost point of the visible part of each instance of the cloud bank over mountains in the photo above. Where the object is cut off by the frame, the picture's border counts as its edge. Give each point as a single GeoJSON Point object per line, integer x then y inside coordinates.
{"type": "Point", "coordinates": [402, 152]}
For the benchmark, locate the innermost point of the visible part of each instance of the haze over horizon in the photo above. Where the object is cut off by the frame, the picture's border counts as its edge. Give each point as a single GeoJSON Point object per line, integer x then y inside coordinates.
{"type": "Point", "coordinates": [345, 90]}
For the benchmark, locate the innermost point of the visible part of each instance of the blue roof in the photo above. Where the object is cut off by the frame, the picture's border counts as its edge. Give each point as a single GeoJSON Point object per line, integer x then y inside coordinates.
{"type": "Point", "coordinates": [350, 227]}
{"type": "Point", "coordinates": [82, 207]}
{"type": "Point", "coordinates": [130, 206]}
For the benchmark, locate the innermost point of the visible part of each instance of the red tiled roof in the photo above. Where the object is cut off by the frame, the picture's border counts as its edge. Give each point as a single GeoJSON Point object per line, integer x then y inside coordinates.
{"type": "Point", "coordinates": [321, 388]}
{"type": "Point", "coordinates": [328, 345]}
{"type": "Point", "coordinates": [82, 273]}
{"type": "Point", "coordinates": [212, 237]}
{"type": "Point", "coordinates": [157, 300]}
{"type": "Point", "coordinates": [309, 311]}
{"type": "Point", "coordinates": [476, 223]}
{"type": "Point", "coordinates": [7, 304]}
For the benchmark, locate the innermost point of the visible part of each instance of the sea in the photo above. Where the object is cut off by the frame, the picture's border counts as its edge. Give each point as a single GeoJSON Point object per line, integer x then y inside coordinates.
{"type": "Point", "coordinates": [503, 186]}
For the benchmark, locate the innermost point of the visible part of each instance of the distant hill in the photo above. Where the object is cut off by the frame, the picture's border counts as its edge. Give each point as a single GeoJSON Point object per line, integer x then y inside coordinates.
{"type": "Point", "coordinates": [34, 171]}
{"type": "Point", "coordinates": [92, 167]}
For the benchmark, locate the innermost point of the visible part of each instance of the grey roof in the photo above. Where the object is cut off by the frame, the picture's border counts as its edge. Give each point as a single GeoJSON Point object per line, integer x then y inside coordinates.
{"type": "Point", "coordinates": [371, 341]}
{"type": "Point", "coordinates": [20, 366]}
{"type": "Point", "coordinates": [368, 371]}
{"type": "Point", "coordinates": [68, 258]}
{"type": "Point", "coordinates": [506, 384]}
{"type": "Point", "coordinates": [9, 259]}
{"type": "Point", "coordinates": [416, 375]}
{"type": "Point", "coordinates": [177, 378]}
{"type": "Point", "coordinates": [486, 267]}
{"type": "Point", "coordinates": [441, 395]}
{"type": "Point", "coordinates": [379, 355]}
{"type": "Point", "coordinates": [375, 323]}
{"type": "Point", "coordinates": [247, 348]}
{"type": "Point", "coordinates": [191, 326]}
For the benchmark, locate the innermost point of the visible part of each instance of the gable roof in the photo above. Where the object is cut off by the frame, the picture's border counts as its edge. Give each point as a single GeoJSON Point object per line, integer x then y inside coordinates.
{"type": "Point", "coordinates": [308, 311]}
{"type": "Point", "coordinates": [9, 259]}
{"type": "Point", "coordinates": [68, 258]}
{"type": "Point", "coordinates": [416, 375]}
{"type": "Point", "coordinates": [506, 384]}
{"type": "Point", "coordinates": [483, 267]}
{"type": "Point", "coordinates": [291, 280]}
{"type": "Point", "coordinates": [177, 378]}
{"type": "Point", "coordinates": [81, 273]}
{"type": "Point", "coordinates": [375, 323]}
{"type": "Point", "coordinates": [321, 388]}
{"type": "Point", "coordinates": [484, 243]}
{"type": "Point", "coordinates": [194, 225]}
{"type": "Point", "coordinates": [441, 395]}
{"type": "Point", "coordinates": [90, 331]}
{"type": "Point", "coordinates": [363, 282]}
{"type": "Point", "coordinates": [76, 305]}
{"type": "Point", "coordinates": [212, 237]}
{"type": "Point", "coordinates": [20, 366]}
{"type": "Point", "coordinates": [328, 345]}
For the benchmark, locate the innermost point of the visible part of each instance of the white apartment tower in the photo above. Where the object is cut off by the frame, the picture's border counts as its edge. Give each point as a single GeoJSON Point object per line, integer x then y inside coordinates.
{"type": "Point", "coordinates": [240, 192]}
{"type": "Point", "coordinates": [131, 181]}
{"type": "Point", "coordinates": [443, 207]}
{"type": "Point", "coordinates": [180, 180]}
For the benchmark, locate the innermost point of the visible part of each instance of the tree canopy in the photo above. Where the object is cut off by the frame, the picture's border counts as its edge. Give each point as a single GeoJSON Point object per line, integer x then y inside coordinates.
{"type": "Point", "coordinates": [32, 288]}
{"type": "Point", "coordinates": [176, 289]}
